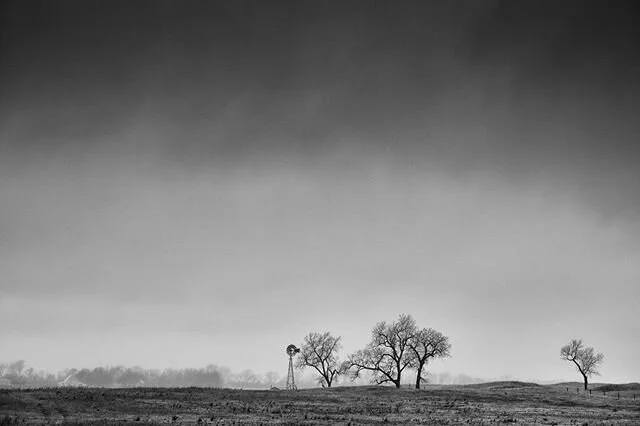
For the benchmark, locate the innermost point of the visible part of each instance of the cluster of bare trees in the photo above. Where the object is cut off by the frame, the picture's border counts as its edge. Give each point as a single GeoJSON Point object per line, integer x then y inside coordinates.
{"type": "Point", "coordinates": [394, 348]}
{"type": "Point", "coordinates": [401, 346]}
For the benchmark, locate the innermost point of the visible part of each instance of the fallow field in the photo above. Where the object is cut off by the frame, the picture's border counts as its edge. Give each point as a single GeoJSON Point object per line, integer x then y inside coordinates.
{"type": "Point", "coordinates": [489, 403]}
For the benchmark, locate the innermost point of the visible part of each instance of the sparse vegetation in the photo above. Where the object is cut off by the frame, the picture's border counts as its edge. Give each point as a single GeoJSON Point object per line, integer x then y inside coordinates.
{"type": "Point", "coordinates": [489, 403]}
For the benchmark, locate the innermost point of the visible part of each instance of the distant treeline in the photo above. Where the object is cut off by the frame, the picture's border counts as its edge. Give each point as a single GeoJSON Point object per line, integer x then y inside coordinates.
{"type": "Point", "coordinates": [121, 376]}
{"type": "Point", "coordinates": [18, 373]}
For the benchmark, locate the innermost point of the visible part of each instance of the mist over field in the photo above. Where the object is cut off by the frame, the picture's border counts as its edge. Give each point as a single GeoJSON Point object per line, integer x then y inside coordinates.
{"type": "Point", "coordinates": [22, 375]}
{"type": "Point", "coordinates": [204, 183]}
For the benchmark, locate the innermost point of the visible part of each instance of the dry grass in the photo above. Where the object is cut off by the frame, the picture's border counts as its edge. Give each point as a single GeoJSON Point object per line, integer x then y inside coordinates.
{"type": "Point", "coordinates": [490, 403]}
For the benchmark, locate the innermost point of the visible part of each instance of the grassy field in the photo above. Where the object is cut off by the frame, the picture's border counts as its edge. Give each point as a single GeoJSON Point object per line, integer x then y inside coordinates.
{"type": "Point", "coordinates": [499, 402]}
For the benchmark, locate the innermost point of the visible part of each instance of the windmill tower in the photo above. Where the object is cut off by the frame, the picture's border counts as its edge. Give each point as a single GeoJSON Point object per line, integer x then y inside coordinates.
{"type": "Point", "coordinates": [292, 350]}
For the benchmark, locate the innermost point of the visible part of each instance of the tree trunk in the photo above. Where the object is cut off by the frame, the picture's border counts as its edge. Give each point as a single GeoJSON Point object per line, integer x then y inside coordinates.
{"type": "Point", "coordinates": [418, 377]}
{"type": "Point", "coordinates": [398, 375]}
{"type": "Point", "coordinates": [585, 381]}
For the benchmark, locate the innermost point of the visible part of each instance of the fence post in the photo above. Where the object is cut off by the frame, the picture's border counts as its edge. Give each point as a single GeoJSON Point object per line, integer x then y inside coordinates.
{"type": "Point", "coordinates": [618, 395]}
{"type": "Point", "coordinates": [577, 390]}
{"type": "Point", "coordinates": [589, 392]}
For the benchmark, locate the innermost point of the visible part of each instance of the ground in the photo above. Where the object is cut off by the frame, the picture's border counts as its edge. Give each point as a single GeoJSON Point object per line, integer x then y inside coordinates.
{"type": "Point", "coordinates": [499, 402]}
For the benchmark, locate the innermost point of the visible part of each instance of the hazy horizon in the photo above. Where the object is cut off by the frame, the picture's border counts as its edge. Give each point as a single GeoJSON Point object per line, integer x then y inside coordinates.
{"type": "Point", "coordinates": [185, 184]}
{"type": "Point", "coordinates": [305, 378]}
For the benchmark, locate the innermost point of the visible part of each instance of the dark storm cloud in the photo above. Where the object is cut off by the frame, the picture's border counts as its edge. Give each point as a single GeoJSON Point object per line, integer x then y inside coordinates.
{"type": "Point", "coordinates": [570, 72]}
{"type": "Point", "coordinates": [509, 86]}
{"type": "Point", "coordinates": [557, 42]}
{"type": "Point", "coordinates": [573, 71]}
{"type": "Point", "coordinates": [533, 91]}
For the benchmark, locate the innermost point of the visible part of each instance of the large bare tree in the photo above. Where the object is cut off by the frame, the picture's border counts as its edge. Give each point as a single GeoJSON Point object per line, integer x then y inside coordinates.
{"type": "Point", "coordinates": [586, 360]}
{"type": "Point", "coordinates": [387, 355]}
{"type": "Point", "coordinates": [320, 351]}
{"type": "Point", "coordinates": [426, 344]}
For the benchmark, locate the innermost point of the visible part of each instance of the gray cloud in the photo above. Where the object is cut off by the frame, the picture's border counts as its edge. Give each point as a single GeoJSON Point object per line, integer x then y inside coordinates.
{"type": "Point", "coordinates": [238, 160]}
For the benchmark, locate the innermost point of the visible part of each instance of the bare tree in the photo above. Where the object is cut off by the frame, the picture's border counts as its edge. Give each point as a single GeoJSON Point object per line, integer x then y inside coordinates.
{"type": "Point", "coordinates": [320, 351]}
{"type": "Point", "coordinates": [425, 344]}
{"type": "Point", "coordinates": [587, 361]}
{"type": "Point", "coordinates": [387, 355]}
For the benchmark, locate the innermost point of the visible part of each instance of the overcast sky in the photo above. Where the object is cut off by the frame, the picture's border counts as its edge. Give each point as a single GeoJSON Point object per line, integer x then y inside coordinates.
{"type": "Point", "coordinates": [188, 183]}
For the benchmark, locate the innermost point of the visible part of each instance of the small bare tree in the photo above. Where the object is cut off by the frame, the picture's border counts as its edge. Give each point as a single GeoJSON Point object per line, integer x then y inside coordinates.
{"type": "Point", "coordinates": [387, 355]}
{"type": "Point", "coordinates": [320, 351]}
{"type": "Point", "coordinates": [587, 361]}
{"type": "Point", "coordinates": [425, 344]}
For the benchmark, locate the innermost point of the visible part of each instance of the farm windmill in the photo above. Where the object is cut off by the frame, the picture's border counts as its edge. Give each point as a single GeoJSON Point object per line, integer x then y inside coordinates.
{"type": "Point", "coordinates": [292, 350]}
